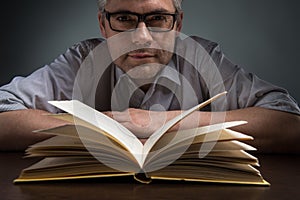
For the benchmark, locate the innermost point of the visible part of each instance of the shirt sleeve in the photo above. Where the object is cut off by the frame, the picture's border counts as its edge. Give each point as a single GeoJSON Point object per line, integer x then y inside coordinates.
{"type": "Point", "coordinates": [51, 82]}
{"type": "Point", "coordinates": [247, 90]}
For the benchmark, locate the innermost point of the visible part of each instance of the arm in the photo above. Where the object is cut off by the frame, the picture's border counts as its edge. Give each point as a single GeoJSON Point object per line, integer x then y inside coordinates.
{"type": "Point", "coordinates": [273, 131]}
{"type": "Point", "coordinates": [17, 126]}
{"type": "Point", "coordinates": [277, 133]}
{"type": "Point", "coordinates": [24, 98]}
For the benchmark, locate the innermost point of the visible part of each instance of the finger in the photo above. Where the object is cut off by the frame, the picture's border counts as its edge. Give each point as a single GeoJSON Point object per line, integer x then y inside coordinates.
{"type": "Point", "coordinates": [143, 141]}
{"type": "Point", "coordinates": [109, 114]}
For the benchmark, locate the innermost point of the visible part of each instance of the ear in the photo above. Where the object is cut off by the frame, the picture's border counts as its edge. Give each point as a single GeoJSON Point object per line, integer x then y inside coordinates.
{"type": "Point", "coordinates": [179, 22]}
{"type": "Point", "coordinates": [101, 21]}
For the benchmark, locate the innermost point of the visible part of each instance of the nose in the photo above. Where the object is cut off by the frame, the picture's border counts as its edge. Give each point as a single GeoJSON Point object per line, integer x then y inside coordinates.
{"type": "Point", "coordinates": [141, 36]}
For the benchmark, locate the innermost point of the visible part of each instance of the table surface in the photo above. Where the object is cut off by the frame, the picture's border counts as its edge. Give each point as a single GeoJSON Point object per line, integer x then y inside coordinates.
{"type": "Point", "coordinates": [282, 171]}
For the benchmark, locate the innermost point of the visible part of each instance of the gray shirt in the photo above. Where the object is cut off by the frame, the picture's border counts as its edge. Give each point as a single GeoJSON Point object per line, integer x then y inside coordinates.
{"type": "Point", "coordinates": [189, 79]}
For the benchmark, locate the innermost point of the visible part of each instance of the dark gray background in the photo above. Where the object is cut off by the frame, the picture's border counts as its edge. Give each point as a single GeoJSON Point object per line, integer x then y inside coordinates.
{"type": "Point", "coordinates": [260, 35]}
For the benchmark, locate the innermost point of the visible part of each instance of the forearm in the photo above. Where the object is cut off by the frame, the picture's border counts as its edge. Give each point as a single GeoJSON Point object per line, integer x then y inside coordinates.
{"type": "Point", "coordinates": [16, 132]}
{"type": "Point", "coordinates": [273, 131]}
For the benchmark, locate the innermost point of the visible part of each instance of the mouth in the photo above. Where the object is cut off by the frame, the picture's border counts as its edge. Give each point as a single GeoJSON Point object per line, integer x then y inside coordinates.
{"type": "Point", "coordinates": [141, 54]}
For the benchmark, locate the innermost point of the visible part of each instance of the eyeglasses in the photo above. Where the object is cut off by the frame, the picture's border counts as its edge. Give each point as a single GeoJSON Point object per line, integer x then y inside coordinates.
{"type": "Point", "coordinates": [128, 21]}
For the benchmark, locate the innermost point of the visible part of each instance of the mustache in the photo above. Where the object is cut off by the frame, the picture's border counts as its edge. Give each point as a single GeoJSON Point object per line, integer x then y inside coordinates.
{"type": "Point", "coordinates": [139, 48]}
{"type": "Point", "coordinates": [119, 50]}
{"type": "Point", "coordinates": [145, 50]}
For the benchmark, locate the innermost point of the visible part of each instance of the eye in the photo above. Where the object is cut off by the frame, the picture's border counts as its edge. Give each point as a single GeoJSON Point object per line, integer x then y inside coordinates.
{"type": "Point", "coordinates": [124, 18]}
{"type": "Point", "coordinates": [157, 18]}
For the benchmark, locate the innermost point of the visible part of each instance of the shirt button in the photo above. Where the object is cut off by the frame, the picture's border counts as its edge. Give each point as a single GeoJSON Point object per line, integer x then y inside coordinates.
{"type": "Point", "coordinates": [259, 94]}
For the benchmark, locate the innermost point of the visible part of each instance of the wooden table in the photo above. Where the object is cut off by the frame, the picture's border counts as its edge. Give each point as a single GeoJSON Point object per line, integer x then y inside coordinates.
{"type": "Point", "coordinates": [282, 171]}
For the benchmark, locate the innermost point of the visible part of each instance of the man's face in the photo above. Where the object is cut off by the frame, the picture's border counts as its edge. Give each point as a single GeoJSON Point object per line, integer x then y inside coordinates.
{"type": "Point", "coordinates": [140, 53]}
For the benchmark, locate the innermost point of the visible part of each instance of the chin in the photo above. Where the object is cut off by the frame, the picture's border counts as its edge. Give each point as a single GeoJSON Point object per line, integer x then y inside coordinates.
{"type": "Point", "coordinates": [145, 71]}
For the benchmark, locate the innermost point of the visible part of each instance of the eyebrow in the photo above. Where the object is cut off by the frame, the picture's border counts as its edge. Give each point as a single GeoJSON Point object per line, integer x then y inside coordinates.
{"type": "Point", "coordinates": [159, 10]}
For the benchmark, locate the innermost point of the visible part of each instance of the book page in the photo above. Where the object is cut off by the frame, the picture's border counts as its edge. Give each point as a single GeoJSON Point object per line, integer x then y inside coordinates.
{"type": "Point", "coordinates": [209, 133]}
{"type": "Point", "coordinates": [105, 123]}
{"type": "Point", "coordinates": [92, 142]}
{"type": "Point", "coordinates": [118, 131]}
{"type": "Point", "coordinates": [158, 134]}
{"type": "Point", "coordinates": [172, 145]}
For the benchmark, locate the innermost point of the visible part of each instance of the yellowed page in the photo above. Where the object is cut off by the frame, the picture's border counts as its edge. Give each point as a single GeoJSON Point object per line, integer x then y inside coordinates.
{"type": "Point", "coordinates": [105, 123]}
{"type": "Point", "coordinates": [161, 131]}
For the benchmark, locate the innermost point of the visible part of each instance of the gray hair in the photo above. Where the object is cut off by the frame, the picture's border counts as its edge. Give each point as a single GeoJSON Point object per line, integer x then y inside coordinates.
{"type": "Point", "coordinates": [102, 3]}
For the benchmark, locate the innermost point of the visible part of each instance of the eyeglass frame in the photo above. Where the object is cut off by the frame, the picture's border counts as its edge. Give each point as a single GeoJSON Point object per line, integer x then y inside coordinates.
{"type": "Point", "coordinates": [141, 18]}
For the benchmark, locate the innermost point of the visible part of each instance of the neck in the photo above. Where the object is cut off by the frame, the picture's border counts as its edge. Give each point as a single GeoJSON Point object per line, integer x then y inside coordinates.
{"type": "Point", "coordinates": [143, 84]}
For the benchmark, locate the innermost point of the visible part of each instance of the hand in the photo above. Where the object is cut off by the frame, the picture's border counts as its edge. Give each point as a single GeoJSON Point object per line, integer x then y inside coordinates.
{"type": "Point", "coordinates": [142, 123]}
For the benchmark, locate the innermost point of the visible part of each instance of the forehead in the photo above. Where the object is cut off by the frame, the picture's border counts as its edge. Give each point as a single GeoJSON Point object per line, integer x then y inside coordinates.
{"type": "Point", "coordinates": [140, 6]}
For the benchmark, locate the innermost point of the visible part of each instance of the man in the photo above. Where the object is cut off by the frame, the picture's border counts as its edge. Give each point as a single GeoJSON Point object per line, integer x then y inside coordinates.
{"type": "Point", "coordinates": [150, 30]}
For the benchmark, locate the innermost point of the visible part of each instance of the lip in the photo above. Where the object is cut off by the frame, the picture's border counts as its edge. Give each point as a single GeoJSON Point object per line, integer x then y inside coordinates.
{"type": "Point", "coordinates": [141, 55]}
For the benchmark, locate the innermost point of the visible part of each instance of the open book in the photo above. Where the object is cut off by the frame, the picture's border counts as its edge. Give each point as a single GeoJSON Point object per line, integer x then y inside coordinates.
{"type": "Point", "coordinates": [94, 145]}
